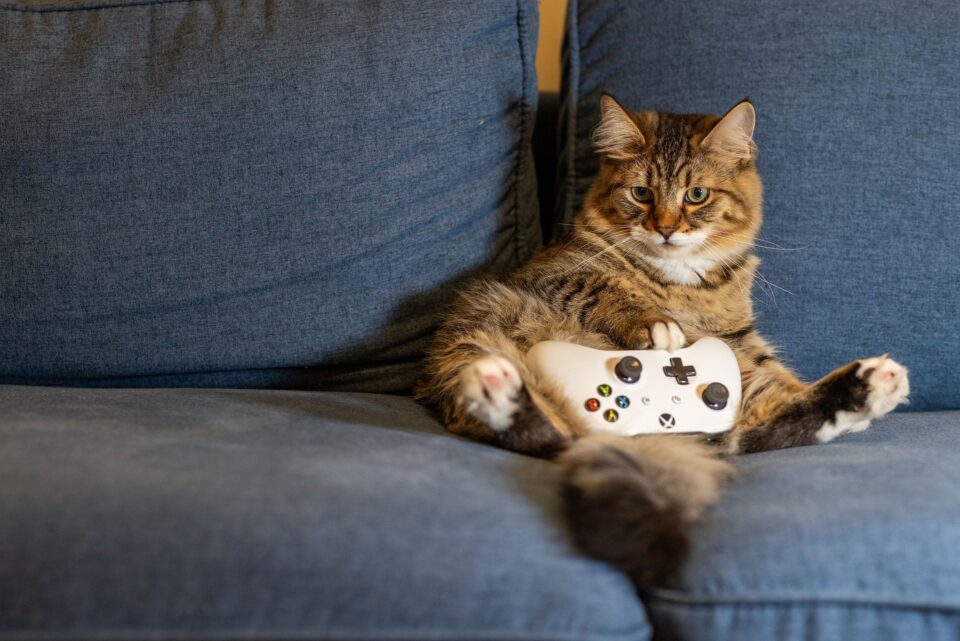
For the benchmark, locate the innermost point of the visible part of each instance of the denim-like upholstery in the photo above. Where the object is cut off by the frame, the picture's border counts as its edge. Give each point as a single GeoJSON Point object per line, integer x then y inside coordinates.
{"type": "Point", "coordinates": [182, 185]}
{"type": "Point", "coordinates": [221, 513]}
{"type": "Point", "coordinates": [254, 193]}
{"type": "Point", "coordinates": [858, 119]}
{"type": "Point", "coordinates": [858, 539]}
{"type": "Point", "coordinates": [225, 514]}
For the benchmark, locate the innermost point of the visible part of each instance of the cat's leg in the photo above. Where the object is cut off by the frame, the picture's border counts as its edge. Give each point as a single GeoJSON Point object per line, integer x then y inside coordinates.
{"type": "Point", "coordinates": [503, 398]}
{"type": "Point", "coordinates": [490, 391]}
{"type": "Point", "coordinates": [476, 374]}
{"type": "Point", "coordinates": [637, 329]}
{"type": "Point", "coordinates": [778, 410]}
{"type": "Point", "coordinates": [486, 393]}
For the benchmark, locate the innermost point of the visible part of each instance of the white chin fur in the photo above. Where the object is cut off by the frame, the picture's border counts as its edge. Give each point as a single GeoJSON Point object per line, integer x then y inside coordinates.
{"type": "Point", "coordinates": [679, 264]}
{"type": "Point", "coordinates": [685, 270]}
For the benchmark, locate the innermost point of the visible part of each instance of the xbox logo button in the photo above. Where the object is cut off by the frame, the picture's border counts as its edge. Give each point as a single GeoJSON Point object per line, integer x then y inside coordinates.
{"type": "Point", "coordinates": [667, 421]}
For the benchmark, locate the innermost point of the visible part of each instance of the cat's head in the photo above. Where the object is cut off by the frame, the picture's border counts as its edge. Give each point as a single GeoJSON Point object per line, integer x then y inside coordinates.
{"type": "Point", "coordinates": [684, 188]}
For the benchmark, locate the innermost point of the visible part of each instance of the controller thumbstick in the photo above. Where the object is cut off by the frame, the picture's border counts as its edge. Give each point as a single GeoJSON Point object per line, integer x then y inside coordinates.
{"type": "Point", "coordinates": [715, 396]}
{"type": "Point", "coordinates": [629, 369]}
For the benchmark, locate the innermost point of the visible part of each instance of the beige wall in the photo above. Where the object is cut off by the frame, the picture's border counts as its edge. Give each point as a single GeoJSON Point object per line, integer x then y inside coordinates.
{"type": "Point", "coordinates": [552, 13]}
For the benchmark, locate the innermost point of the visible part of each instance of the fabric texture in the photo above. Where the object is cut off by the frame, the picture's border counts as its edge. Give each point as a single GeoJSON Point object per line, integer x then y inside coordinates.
{"type": "Point", "coordinates": [262, 194]}
{"type": "Point", "coordinates": [858, 133]}
{"type": "Point", "coordinates": [225, 514]}
{"type": "Point", "coordinates": [262, 514]}
{"type": "Point", "coordinates": [856, 539]}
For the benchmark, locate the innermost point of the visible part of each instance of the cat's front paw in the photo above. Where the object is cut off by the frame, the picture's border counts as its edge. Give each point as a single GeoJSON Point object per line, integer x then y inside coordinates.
{"type": "Point", "coordinates": [662, 334]}
{"type": "Point", "coordinates": [667, 335]}
{"type": "Point", "coordinates": [489, 391]}
{"type": "Point", "coordinates": [887, 384]}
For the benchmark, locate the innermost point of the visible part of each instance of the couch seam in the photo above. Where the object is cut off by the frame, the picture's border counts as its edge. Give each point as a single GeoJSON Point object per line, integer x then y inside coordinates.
{"type": "Point", "coordinates": [572, 99]}
{"type": "Point", "coordinates": [19, 8]}
{"type": "Point", "coordinates": [339, 636]}
{"type": "Point", "coordinates": [524, 114]}
{"type": "Point", "coordinates": [789, 602]}
{"type": "Point", "coordinates": [94, 382]}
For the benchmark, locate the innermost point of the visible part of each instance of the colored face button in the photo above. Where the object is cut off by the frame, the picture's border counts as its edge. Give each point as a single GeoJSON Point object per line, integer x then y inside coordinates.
{"type": "Point", "coordinates": [592, 405]}
{"type": "Point", "coordinates": [623, 402]}
{"type": "Point", "coordinates": [611, 416]}
{"type": "Point", "coordinates": [604, 390]}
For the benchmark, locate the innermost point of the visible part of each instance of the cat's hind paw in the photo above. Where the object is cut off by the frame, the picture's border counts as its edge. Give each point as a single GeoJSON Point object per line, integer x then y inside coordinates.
{"type": "Point", "coordinates": [884, 384]}
{"type": "Point", "coordinates": [489, 391]}
{"type": "Point", "coordinates": [887, 383]}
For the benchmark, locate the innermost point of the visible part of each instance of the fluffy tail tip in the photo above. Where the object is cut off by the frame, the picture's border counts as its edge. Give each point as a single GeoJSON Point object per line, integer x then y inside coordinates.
{"type": "Point", "coordinates": [630, 501]}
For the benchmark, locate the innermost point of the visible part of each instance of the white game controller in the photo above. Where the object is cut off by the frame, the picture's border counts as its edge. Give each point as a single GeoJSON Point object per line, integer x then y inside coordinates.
{"type": "Point", "coordinates": [696, 389]}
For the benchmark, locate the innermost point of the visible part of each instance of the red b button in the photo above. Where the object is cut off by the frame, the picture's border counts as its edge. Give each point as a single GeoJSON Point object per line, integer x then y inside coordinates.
{"type": "Point", "coordinates": [592, 405]}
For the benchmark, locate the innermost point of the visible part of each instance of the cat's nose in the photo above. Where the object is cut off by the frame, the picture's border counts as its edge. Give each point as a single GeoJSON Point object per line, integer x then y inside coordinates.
{"type": "Point", "coordinates": [666, 230]}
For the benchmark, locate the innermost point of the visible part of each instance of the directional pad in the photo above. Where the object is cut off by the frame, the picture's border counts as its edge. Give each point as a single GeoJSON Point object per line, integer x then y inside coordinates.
{"type": "Point", "coordinates": [679, 371]}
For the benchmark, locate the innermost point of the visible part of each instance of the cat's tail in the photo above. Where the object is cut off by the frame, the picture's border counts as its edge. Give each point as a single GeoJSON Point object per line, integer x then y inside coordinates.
{"type": "Point", "coordinates": [631, 500]}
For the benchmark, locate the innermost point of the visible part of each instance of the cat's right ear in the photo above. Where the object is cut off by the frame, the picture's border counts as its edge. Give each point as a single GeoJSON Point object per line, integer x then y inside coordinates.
{"type": "Point", "coordinates": [617, 136]}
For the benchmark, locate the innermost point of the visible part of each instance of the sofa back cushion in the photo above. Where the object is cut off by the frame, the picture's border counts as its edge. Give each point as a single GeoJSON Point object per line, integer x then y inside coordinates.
{"type": "Point", "coordinates": [269, 194]}
{"type": "Point", "coordinates": [859, 148]}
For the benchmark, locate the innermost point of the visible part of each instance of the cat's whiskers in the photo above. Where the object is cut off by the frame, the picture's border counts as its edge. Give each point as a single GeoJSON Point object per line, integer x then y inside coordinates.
{"type": "Point", "coordinates": [767, 286]}
{"type": "Point", "coordinates": [618, 226]}
{"type": "Point", "coordinates": [763, 281]}
{"type": "Point", "coordinates": [588, 228]}
{"type": "Point", "coordinates": [771, 284]}
{"type": "Point", "coordinates": [599, 253]}
{"type": "Point", "coordinates": [606, 232]}
{"type": "Point", "coordinates": [755, 240]}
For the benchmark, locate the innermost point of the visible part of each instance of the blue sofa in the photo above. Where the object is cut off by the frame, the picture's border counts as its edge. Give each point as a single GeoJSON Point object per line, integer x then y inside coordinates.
{"type": "Point", "coordinates": [228, 228]}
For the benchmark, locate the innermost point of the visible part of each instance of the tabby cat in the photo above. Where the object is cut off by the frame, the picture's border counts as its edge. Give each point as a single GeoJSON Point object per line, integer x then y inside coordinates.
{"type": "Point", "coordinates": [660, 256]}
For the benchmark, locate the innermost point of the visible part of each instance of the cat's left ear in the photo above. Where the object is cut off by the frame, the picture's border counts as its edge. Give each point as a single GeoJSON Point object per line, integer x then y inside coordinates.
{"type": "Point", "coordinates": [733, 134]}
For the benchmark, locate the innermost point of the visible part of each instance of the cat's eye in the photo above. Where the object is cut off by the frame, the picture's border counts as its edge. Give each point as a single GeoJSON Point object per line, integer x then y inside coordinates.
{"type": "Point", "coordinates": [642, 194]}
{"type": "Point", "coordinates": [696, 195]}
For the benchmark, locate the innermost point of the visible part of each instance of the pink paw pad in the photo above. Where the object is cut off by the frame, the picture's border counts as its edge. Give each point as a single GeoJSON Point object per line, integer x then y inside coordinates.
{"type": "Point", "coordinates": [489, 388]}
{"type": "Point", "coordinates": [888, 381]}
{"type": "Point", "coordinates": [493, 382]}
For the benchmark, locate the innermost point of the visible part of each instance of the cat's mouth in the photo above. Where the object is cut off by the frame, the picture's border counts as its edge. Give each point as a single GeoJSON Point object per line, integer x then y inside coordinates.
{"type": "Point", "coordinates": [674, 243]}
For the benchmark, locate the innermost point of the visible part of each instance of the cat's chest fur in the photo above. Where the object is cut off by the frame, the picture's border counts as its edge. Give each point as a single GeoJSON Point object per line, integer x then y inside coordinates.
{"type": "Point", "coordinates": [700, 298]}
{"type": "Point", "coordinates": [689, 270]}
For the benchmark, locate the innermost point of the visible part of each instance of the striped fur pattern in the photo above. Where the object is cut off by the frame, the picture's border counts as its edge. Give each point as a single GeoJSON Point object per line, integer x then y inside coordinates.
{"type": "Point", "coordinates": [660, 256]}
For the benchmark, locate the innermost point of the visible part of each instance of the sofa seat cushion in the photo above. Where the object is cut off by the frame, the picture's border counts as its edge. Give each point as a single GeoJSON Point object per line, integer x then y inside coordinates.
{"type": "Point", "coordinates": [222, 514]}
{"type": "Point", "coordinates": [858, 539]}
